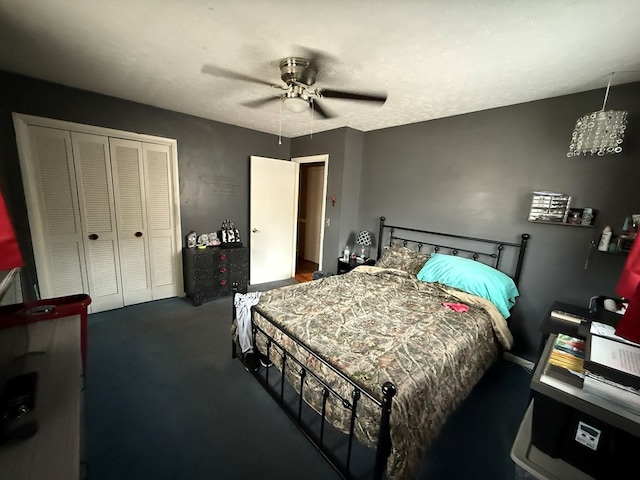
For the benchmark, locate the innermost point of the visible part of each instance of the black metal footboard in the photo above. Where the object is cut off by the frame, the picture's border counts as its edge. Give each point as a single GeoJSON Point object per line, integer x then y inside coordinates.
{"type": "Point", "coordinates": [280, 389]}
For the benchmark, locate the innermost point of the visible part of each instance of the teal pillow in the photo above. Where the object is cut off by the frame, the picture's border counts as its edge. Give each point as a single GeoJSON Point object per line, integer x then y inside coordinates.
{"type": "Point", "coordinates": [472, 277]}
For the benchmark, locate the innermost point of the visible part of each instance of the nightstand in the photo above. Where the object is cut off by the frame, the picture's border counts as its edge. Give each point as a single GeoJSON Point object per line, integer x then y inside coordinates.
{"type": "Point", "coordinates": [568, 432]}
{"type": "Point", "coordinates": [344, 267]}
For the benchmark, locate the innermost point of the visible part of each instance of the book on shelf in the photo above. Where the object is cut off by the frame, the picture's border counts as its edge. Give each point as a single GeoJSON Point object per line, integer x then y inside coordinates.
{"type": "Point", "coordinates": [567, 317]}
{"type": "Point", "coordinates": [563, 320]}
{"type": "Point", "coordinates": [613, 360]}
{"type": "Point", "coordinates": [566, 360]}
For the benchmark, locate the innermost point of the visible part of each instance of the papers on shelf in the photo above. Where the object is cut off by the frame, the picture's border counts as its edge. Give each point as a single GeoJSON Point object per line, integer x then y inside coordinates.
{"type": "Point", "coordinates": [608, 331]}
{"type": "Point", "coordinates": [616, 355]}
{"type": "Point", "coordinates": [626, 397]}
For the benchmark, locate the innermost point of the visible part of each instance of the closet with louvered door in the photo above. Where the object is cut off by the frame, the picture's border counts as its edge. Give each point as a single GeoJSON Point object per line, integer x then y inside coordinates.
{"type": "Point", "coordinates": [103, 212]}
{"type": "Point", "coordinates": [144, 200]}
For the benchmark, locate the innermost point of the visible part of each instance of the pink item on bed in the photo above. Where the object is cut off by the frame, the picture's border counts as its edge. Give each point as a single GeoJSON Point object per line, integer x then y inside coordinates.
{"type": "Point", "coordinates": [458, 307]}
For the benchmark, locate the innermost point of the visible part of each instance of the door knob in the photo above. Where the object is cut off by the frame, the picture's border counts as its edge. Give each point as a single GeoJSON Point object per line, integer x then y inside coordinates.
{"type": "Point", "coordinates": [93, 236]}
{"type": "Point", "coordinates": [138, 234]}
{"type": "Point", "coordinates": [254, 230]}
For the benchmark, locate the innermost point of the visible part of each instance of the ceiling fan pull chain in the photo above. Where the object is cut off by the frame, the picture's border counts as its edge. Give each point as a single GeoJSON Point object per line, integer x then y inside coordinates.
{"type": "Point", "coordinates": [280, 130]}
{"type": "Point", "coordinates": [311, 113]}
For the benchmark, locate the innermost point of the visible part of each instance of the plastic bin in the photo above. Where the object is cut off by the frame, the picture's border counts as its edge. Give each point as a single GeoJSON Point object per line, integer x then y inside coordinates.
{"type": "Point", "coordinates": [561, 431]}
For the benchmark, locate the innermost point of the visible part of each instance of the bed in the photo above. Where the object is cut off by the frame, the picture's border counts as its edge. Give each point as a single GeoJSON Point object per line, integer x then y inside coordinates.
{"type": "Point", "coordinates": [384, 354]}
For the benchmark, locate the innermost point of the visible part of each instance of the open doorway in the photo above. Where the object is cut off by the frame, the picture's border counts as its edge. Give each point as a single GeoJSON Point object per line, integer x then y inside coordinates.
{"type": "Point", "coordinates": [311, 206]}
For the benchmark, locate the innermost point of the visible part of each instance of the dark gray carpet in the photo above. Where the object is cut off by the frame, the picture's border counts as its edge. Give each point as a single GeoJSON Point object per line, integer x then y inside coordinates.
{"type": "Point", "coordinates": [164, 400]}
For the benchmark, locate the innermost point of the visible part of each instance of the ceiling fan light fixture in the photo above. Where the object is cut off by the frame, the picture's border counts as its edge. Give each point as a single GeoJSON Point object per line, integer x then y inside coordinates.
{"type": "Point", "coordinates": [295, 104]}
{"type": "Point", "coordinates": [297, 94]}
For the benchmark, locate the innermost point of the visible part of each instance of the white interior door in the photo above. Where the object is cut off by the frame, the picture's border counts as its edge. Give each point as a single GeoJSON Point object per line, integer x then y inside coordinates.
{"type": "Point", "coordinates": [95, 194]}
{"type": "Point", "coordinates": [49, 179]}
{"type": "Point", "coordinates": [272, 222]}
{"type": "Point", "coordinates": [160, 220]}
{"type": "Point", "coordinates": [131, 210]}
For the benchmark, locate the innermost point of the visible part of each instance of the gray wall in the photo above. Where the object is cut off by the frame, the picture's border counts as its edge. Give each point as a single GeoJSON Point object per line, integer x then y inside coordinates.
{"type": "Point", "coordinates": [213, 157]}
{"type": "Point", "coordinates": [473, 175]}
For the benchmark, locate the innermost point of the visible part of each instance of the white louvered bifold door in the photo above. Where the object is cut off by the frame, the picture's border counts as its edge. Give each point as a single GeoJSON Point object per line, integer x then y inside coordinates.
{"type": "Point", "coordinates": [160, 220]}
{"type": "Point", "coordinates": [54, 217]}
{"type": "Point", "coordinates": [95, 194]}
{"type": "Point", "coordinates": [131, 214]}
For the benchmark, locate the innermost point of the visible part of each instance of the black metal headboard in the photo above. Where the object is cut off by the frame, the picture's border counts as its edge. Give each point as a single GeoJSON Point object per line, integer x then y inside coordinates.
{"type": "Point", "coordinates": [421, 238]}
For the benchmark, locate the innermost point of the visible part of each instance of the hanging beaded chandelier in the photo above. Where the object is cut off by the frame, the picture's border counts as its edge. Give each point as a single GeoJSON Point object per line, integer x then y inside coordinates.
{"type": "Point", "coordinates": [600, 132]}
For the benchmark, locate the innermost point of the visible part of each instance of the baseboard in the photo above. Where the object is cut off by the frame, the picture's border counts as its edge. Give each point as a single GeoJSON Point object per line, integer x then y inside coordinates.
{"type": "Point", "coordinates": [518, 360]}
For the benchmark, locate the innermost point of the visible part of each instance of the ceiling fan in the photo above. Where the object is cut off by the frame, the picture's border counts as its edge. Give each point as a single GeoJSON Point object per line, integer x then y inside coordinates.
{"type": "Point", "coordinates": [298, 93]}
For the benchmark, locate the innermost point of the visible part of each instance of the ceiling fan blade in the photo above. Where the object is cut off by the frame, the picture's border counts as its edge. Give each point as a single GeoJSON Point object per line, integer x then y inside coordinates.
{"type": "Point", "coordinates": [317, 108]}
{"type": "Point", "coordinates": [221, 72]}
{"type": "Point", "coordinates": [369, 97]}
{"type": "Point", "coordinates": [261, 102]}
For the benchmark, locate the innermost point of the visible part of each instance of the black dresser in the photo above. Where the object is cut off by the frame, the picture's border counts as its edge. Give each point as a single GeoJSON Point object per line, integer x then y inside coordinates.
{"type": "Point", "coordinates": [212, 272]}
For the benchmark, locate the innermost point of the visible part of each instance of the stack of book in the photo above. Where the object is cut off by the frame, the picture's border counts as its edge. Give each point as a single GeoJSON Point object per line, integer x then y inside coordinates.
{"type": "Point", "coordinates": [612, 368]}
{"type": "Point", "coordinates": [566, 360]}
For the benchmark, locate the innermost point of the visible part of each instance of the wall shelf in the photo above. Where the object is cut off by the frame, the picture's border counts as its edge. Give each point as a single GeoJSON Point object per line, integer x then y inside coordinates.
{"type": "Point", "coordinates": [562, 223]}
{"type": "Point", "coordinates": [618, 253]}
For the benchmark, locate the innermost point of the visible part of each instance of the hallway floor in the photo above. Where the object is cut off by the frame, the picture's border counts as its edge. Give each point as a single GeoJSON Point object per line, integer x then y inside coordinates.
{"type": "Point", "coordinates": [304, 270]}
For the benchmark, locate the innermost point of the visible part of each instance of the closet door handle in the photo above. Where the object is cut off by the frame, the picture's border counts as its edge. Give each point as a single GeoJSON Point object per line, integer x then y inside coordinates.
{"type": "Point", "coordinates": [93, 236]}
{"type": "Point", "coordinates": [138, 234]}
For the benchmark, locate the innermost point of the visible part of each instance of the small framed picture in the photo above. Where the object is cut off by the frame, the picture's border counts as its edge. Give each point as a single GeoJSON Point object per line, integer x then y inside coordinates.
{"type": "Point", "coordinates": [588, 216]}
{"type": "Point", "coordinates": [575, 216]}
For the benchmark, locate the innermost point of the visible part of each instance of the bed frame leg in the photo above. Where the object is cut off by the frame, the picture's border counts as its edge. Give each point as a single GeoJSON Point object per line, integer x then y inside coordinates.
{"type": "Point", "coordinates": [234, 290]}
{"type": "Point", "coordinates": [383, 449]}
{"type": "Point", "coordinates": [380, 232]}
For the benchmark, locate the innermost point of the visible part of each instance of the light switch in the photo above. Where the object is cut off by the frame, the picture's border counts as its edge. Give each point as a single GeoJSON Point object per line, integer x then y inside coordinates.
{"type": "Point", "coordinates": [328, 222]}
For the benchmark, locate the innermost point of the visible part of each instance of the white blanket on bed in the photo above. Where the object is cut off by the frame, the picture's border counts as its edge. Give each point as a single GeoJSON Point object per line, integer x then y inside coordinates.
{"type": "Point", "coordinates": [243, 303]}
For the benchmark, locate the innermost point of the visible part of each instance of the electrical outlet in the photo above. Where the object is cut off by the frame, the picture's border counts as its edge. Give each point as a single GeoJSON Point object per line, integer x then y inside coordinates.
{"type": "Point", "coordinates": [328, 222]}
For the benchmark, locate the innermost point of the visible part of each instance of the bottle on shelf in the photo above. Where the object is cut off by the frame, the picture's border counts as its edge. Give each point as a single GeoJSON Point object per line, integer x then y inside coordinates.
{"type": "Point", "coordinates": [603, 246]}
{"type": "Point", "coordinates": [345, 254]}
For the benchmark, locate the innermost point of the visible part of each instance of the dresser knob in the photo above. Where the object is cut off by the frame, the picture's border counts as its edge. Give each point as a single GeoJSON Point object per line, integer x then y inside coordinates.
{"type": "Point", "coordinates": [223, 270]}
{"type": "Point", "coordinates": [223, 256]}
{"type": "Point", "coordinates": [223, 282]}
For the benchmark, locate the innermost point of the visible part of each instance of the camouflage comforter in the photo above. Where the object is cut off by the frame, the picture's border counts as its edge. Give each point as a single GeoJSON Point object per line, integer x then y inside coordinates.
{"type": "Point", "coordinates": [377, 325]}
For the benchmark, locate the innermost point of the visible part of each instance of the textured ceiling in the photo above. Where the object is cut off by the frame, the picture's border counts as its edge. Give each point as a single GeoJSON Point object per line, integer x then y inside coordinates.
{"type": "Point", "coordinates": [434, 58]}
